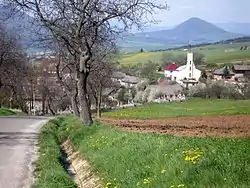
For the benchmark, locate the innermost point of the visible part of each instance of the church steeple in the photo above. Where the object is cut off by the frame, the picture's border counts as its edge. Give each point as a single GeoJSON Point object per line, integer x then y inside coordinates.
{"type": "Point", "coordinates": [189, 47]}
{"type": "Point", "coordinates": [190, 65]}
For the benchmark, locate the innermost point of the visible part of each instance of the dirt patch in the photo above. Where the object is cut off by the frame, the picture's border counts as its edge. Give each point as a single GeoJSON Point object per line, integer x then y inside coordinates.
{"type": "Point", "coordinates": [84, 177]}
{"type": "Point", "coordinates": [202, 126]}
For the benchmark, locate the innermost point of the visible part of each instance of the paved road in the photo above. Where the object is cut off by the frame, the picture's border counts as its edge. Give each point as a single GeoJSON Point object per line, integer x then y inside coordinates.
{"type": "Point", "coordinates": [18, 136]}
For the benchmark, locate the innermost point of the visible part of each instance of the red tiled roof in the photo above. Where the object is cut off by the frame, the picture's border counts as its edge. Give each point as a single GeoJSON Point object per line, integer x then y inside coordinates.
{"type": "Point", "coordinates": [171, 67]}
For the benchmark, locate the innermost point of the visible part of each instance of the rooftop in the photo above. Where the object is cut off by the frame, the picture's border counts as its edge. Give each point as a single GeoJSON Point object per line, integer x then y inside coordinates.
{"type": "Point", "coordinates": [131, 79]}
{"type": "Point", "coordinates": [169, 89]}
{"type": "Point", "coordinates": [241, 67]}
{"type": "Point", "coordinates": [118, 75]}
{"type": "Point", "coordinates": [220, 71]}
{"type": "Point", "coordinates": [171, 67]}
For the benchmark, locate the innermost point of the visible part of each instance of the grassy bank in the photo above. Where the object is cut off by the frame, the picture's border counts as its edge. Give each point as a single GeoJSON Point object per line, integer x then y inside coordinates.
{"type": "Point", "coordinates": [193, 107]}
{"type": "Point", "coordinates": [49, 170]}
{"type": "Point", "coordinates": [129, 160]}
{"type": "Point", "coordinates": [10, 112]}
{"type": "Point", "coordinates": [7, 112]}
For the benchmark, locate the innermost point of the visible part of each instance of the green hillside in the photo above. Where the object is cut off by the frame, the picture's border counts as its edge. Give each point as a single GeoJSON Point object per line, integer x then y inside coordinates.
{"type": "Point", "coordinates": [220, 53]}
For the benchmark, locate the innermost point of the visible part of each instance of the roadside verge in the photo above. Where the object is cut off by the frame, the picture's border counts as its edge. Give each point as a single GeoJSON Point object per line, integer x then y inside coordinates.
{"type": "Point", "coordinates": [58, 163]}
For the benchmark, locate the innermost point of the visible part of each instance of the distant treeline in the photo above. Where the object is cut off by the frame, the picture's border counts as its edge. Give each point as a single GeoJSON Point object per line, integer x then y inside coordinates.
{"type": "Point", "coordinates": [235, 40]}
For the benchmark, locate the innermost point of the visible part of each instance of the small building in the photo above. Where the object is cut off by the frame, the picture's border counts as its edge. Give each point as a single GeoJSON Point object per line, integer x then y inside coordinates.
{"type": "Point", "coordinates": [219, 74]}
{"type": "Point", "coordinates": [169, 71]}
{"type": "Point", "coordinates": [236, 73]}
{"type": "Point", "coordinates": [241, 70]}
{"type": "Point", "coordinates": [125, 80]}
{"type": "Point", "coordinates": [130, 81]}
{"type": "Point", "coordinates": [166, 92]}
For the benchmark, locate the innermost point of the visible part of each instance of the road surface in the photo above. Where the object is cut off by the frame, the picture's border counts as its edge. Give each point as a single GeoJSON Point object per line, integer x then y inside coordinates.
{"type": "Point", "coordinates": [18, 136]}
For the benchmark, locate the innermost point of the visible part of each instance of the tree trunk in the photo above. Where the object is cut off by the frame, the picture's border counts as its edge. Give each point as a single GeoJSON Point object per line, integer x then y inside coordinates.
{"type": "Point", "coordinates": [85, 112]}
{"type": "Point", "coordinates": [43, 101]}
{"type": "Point", "coordinates": [99, 101]}
{"type": "Point", "coordinates": [50, 109]}
{"type": "Point", "coordinates": [74, 104]}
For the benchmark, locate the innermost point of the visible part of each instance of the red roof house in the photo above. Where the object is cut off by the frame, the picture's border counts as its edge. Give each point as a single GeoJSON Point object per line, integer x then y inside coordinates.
{"type": "Point", "coordinates": [171, 67]}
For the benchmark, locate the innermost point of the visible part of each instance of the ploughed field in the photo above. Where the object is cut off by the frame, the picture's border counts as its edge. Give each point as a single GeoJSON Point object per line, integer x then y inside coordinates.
{"type": "Point", "coordinates": [225, 126]}
{"type": "Point", "coordinates": [197, 117]}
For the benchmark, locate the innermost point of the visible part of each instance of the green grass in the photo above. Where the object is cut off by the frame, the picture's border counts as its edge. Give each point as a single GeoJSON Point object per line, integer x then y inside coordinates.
{"type": "Point", "coordinates": [193, 107]}
{"type": "Point", "coordinates": [129, 160]}
{"type": "Point", "coordinates": [214, 54]}
{"type": "Point", "coordinates": [49, 170]}
{"type": "Point", "coordinates": [7, 112]}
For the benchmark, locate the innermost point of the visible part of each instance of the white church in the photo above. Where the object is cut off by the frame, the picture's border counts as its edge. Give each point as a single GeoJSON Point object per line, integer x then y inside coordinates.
{"type": "Point", "coordinates": [186, 74]}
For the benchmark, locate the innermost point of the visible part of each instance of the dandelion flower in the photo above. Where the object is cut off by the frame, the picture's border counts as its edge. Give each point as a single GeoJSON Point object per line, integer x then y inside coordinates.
{"type": "Point", "coordinates": [187, 158]}
{"type": "Point", "coordinates": [108, 185]}
{"type": "Point", "coordinates": [146, 181]}
{"type": "Point", "coordinates": [181, 185]}
{"type": "Point", "coordinates": [163, 171]}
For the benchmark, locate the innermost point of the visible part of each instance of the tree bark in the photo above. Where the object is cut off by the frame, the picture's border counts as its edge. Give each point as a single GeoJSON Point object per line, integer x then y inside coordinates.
{"type": "Point", "coordinates": [99, 102]}
{"type": "Point", "coordinates": [84, 100]}
{"type": "Point", "coordinates": [51, 110]}
{"type": "Point", "coordinates": [85, 112]}
{"type": "Point", "coordinates": [43, 101]}
{"type": "Point", "coordinates": [74, 104]}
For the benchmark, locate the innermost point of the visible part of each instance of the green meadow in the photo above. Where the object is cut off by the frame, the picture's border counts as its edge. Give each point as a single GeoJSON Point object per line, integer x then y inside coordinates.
{"type": "Point", "coordinates": [128, 160]}
{"type": "Point", "coordinates": [192, 107]}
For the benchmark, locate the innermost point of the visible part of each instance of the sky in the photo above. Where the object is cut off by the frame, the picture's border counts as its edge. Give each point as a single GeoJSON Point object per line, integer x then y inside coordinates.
{"type": "Point", "coordinates": [214, 11]}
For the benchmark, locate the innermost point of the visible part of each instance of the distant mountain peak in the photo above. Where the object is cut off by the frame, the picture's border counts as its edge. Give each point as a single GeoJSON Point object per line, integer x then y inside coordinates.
{"type": "Point", "coordinates": [195, 19]}
{"type": "Point", "coordinates": [197, 25]}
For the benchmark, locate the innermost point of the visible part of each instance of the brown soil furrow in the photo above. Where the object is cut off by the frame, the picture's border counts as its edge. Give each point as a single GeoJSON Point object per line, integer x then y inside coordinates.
{"type": "Point", "coordinates": [215, 126]}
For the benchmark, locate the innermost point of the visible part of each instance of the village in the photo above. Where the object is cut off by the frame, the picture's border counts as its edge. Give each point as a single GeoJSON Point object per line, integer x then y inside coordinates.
{"type": "Point", "coordinates": [178, 83]}
{"type": "Point", "coordinates": [124, 94]}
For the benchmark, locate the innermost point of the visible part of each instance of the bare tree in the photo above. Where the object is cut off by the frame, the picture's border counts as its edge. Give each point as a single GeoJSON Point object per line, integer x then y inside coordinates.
{"type": "Point", "coordinates": [100, 81]}
{"type": "Point", "coordinates": [84, 26]}
{"type": "Point", "coordinates": [67, 78]}
{"type": "Point", "coordinates": [53, 95]}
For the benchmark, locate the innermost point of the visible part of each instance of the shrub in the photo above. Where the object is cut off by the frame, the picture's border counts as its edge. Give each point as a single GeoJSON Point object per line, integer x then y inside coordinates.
{"type": "Point", "coordinates": [217, 90]}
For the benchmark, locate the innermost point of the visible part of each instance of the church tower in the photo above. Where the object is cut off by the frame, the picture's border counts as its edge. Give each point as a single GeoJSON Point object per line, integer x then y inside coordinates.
{"type": "Point", "coordinates": [190, 65]}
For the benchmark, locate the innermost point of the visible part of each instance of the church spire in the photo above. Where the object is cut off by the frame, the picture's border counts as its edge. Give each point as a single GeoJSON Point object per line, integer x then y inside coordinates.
{"type": "Point", "coordinates": [189, 46]}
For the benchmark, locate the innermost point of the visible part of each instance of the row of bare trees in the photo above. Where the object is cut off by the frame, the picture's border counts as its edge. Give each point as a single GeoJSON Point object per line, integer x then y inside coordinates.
{"type": "Point", "coordinates": [14, 71]}
{"type": "Point", "coordinates": [85, 28]}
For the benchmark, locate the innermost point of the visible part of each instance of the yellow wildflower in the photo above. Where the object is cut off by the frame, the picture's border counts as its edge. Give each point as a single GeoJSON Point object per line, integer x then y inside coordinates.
{"type": "Point", "coordinates": [163, 171]}
{"type": "Point", "coordinates": [146, 181]}
{"type": "Point", "coordinates": [192, 155]}
{"type": "Point", "coordinates": [181, 185]}
{"type": "Point", "coordinates": [187, 158]}
{"type": "Point", "coordinates": [108, 185]}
